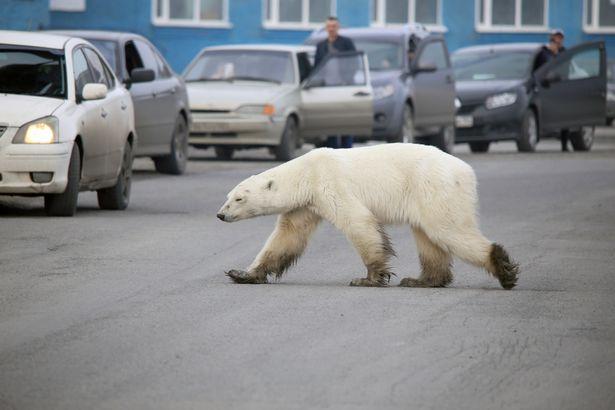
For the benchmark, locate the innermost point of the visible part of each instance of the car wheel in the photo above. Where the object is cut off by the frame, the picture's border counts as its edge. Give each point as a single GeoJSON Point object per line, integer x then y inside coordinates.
{"type": "Point", "coordinates": [583, 139]}
{"type": "Point", "coordinates": [288, 145]}
{"type": "Point", "coordinates": [529, 134]}
{"type": "Point", "coordinates": [224, 153]}
{"type": "Point", "coordinates": [406, 133]}
{"type": "Point", "coordinates": [118, 196]}
{"type": "Point", "coordinates": [175, 163]}
{"type": "Point", "coordinates": [479, 146]}
{"type": "Point", "coordinates": [445, 139]}
{"type": "Point", "coordinates": [65, 204]}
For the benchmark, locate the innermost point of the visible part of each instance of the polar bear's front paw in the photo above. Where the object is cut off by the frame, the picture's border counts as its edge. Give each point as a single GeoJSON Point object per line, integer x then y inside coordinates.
{"type": "Point", "coordinates": [365, 282]}
{"type": "Point", "coordinates": [412, 283]}
{"type": "Point", "coordinates": [241, 276]}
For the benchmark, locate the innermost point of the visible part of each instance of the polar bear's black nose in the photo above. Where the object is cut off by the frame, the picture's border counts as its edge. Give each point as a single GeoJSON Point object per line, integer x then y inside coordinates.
{"type": "Point", "coordinates": [220, 217]}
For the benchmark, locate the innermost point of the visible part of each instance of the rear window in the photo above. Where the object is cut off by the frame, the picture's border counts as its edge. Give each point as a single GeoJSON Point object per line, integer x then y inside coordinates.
{"type": "Point", "coordinates": [32, 72]}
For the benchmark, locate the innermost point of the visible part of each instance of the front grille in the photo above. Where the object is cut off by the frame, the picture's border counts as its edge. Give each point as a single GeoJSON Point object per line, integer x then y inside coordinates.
{"type": "Point", "coordinates": [210, 111]}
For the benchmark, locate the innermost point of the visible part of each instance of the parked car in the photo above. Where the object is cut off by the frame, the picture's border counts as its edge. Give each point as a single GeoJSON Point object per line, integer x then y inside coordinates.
{"type": "Point", "coordinates": [66, 123]}
{"type": "Point", "coordinates": [414, 98]}
{"type": "Point", "coordinates": [503, 99]}
{"type": "Point", "coordinates": [162, 116]}
{"type": "Point", "coordinates": [247, 96]}
{"type": "Point", "coordinates": [610, 93]}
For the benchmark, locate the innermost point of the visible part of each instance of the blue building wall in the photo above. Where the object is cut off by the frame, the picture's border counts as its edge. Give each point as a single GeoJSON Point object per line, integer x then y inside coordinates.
{"type": "Point", "coordinates": [24, 14]}
{"type": "Point", "coordinates": [180, 44]}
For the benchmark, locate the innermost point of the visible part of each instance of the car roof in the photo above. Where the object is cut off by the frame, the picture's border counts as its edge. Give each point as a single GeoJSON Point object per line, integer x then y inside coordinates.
{"type": "Point", "coordinates": [33, 39]}
{"type": "Point", "coordinates": [97, 34]}
{"type": "Point", "coordinates": [264, 47]}
{"type": "Point", "coordinates": [488, 48]}
{"type": "Point", "coordinates": [376, 32]}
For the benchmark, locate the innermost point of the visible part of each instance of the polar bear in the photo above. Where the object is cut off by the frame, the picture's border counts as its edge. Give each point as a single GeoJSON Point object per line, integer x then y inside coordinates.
{"type": "Point", "coordinates": [359, 191]}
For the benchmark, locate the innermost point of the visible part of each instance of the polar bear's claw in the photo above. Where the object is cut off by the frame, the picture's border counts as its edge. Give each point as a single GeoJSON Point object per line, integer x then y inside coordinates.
{"type": "Point", "coordinates": [241, 276]}
{"type": "Point", "coordinates": [366, 282]}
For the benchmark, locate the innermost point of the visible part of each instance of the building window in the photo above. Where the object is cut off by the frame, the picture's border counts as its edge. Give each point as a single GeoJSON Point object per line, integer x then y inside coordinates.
{"type": "Point", "coordinates": [191, 12]}
{"type": "Point", "coordinates": [599, 16]}
{"type": "Point", "coordinates": [512, 15]}
{"type": "Point", "coordinates": [392, 12]}
{"type": "Point", "coordinates": [67, 5]}
{"type": "Point", "coordinates": [297, 13]}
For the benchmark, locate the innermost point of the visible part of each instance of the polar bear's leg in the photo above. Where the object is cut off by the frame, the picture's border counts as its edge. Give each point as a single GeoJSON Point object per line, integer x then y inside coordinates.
{"type": "Point", "coordinates": [471, 246]}
{"type": "Point", "coordinates": [371, 241]}
{"type": "Point", "coordinates": [435, 264]}
{"type": "Point", "coordinates": [284, 246]}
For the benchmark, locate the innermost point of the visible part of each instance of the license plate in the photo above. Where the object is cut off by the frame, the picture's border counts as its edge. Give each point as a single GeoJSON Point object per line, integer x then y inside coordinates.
{"type": "Point", "coordinates": [210, 126]}
{"type": "Point", "coordinates": [464, 121]}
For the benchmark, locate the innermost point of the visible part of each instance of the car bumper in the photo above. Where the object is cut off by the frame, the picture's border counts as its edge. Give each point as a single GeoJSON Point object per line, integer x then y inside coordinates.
{"type": "Point", "coordinates": [236, 129]}
{"type": "Point", "coordinates": [476, 123]}
{"type": "Point", "coordinates": [19, 161]}
{"type": "Point", "coordinates": [387, 118]}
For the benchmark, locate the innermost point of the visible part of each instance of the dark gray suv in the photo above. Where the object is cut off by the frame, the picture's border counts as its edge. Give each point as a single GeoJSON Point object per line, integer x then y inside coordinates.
{"type": "Point", "coordinates": [162, 116]}
{"type": "Point", "coordinates": [414, 95]}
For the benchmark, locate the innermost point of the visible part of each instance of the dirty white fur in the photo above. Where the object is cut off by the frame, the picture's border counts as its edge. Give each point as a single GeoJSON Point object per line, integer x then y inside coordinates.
{"type": "Point", "coordinates": [359, 190]}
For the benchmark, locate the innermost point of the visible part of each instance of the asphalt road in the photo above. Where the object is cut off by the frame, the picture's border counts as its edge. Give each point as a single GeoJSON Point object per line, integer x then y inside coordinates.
{"type": "Point", "coordinates": [131, 310]}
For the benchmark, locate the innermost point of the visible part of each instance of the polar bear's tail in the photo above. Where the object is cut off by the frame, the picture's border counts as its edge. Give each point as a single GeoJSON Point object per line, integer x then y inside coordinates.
{"type": "Point", "coordinates": [504, 268]}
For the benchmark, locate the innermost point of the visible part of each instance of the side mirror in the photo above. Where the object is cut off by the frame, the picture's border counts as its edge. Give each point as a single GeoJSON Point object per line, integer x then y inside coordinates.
{"type": "Point", "coordinates": [142, 75]}
{"type": "Point", "coordinates": [426, 67]}
{"type": "Point", "coordinates": [551, 78]}
{"type": "Point", "coordinates": [93, 91]}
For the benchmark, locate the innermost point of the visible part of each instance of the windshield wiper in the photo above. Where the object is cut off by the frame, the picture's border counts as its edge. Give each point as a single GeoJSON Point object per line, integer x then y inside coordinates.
{"type": "Point", "coordinates": [248, 78]}
{"type": "Point", "coordinates": [196, 80]}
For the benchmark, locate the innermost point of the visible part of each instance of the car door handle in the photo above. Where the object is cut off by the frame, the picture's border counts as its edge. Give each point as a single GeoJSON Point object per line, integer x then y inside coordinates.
{"type": "Point", "coordinates": [103, 113]}
{"type": "Point", "coordinates": [123, 106]}
{"type": "Point", "coordinates": [173, 90]}
{"type": "Point", "coordinates": [361, 94]}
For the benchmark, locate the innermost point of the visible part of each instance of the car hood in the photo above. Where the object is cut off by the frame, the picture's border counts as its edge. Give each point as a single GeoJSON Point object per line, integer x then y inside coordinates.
{"type": "Point", "coordinates": [229, 96]}
{"type": "Point", "coordinates": [20, 109]}
{"type": "Point", "coordinates": [475, 91]}
{"type": "Point", "coordinates": [380, 78]}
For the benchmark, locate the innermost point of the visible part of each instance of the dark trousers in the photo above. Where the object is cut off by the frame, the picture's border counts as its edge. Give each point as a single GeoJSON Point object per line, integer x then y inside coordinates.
{"type": "Point", "coordinates": [337, 141]}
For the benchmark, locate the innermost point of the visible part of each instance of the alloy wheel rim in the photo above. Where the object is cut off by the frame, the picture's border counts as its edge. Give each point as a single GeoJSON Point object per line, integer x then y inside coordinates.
{"type": "Point", "coordinates": [180, 143]}
{"type": "Point", "coordinates": [588, 135]}
{"type": "Point", "coordinates": [531, 130]}
{"type": "Point", "coordinates": [126, 174]}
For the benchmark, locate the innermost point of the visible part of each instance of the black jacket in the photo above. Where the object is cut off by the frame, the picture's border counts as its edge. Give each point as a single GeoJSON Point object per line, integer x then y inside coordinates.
{"type": "Point", "coordinates": [544, 56]}
{"type": "Point", "coordinates": [340, 44]}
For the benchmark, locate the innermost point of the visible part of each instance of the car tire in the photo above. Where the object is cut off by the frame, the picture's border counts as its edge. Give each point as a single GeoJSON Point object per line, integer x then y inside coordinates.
{"type": "Point", "coordinates": [406, 132]}
{"type": "Point", "coordinates": [445, 139]}
{"type": "Point", "coordinates": [175, 163]}
{"type": "Point", "coordinates": [529, 134]}
{"type": "Point", "coordinates": [479, 146]}
{"type": "Point", "coordinates": [583, 139]}
{"type": "Point", "coordinates": [288, 144]}
{"type": "Point", "coordinates": [118, 196]}
{"type": "Point", "coordinates": [224, 153]}
{"type": "Point", "coordinates": [65, 204]}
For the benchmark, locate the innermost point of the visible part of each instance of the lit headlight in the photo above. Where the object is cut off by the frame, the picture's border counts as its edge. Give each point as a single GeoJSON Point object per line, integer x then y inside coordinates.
{"type": "Point", "coordinates": [265, 109]}
{"type": "Point", "coordinates": [383, 91]}
{"type": "Point", "coordinates": [500, 100]}
{"type": "Point", "coordinates": [457, 103]}
{"type": "Point", "coordinates": [41, 131]}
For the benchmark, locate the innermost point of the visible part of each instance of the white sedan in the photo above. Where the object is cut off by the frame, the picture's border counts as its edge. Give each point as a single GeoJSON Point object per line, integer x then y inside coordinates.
{"type": "Point", "coordinates": [66, 123]}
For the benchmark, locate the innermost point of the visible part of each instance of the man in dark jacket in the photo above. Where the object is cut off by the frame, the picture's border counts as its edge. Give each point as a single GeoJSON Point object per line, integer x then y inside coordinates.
{"type": "Point", "coordinates": [334, 43]}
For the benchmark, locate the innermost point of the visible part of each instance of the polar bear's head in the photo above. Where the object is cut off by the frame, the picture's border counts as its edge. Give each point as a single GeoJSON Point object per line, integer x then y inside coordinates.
{"type": "Point", "coordinates": [258, 195]}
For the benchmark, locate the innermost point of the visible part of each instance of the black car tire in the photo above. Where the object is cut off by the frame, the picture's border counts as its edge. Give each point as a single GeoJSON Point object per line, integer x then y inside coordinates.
{"type": "Point", "coordinates": [479, 146]}
{"type": "Point", "coordinates": [118, 196]}
{"type": "Point", "coordinates": [529, 133]}
{"type": "Point", "coordinates": [175, 163]}
{"type": "Point", "coordinates": [445, 139]}
{"type": "Point", "coordinates": [406, 131]}
{"type": "Point", "coordinates": [65, 204]}
{"type": "Point", "coordinates": [288, 144]}
{"type": "Point", "coordinates": [582, 139]}
{"type": "Point", "coordinates": [224, 153]}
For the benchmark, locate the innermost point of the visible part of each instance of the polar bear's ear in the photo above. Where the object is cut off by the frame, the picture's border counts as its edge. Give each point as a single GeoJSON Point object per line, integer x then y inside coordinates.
{"type": "Point", "coordinates": [269, 185]}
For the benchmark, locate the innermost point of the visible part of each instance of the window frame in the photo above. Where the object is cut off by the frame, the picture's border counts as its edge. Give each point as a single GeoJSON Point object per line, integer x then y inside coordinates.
{"type": "Point", "coordinates": [166, 21]}
{"type": "Point", "coordinates": [275, 24]}
{"type": "Point", "coordinates": [380, 21]}
{"type": "Point", "coordinates": [595, 27]}
{"type": "Point", "coordinates": [487, 27]}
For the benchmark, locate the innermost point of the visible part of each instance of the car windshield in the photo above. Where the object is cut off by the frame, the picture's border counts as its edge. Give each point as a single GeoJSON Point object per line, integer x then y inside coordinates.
{"type": "Point", "coordinates": [382, 55]}
{"type": "Point", "coordinates": [481, 66]}
{"type": "Point", "coordinates": [32, 72]}
{"type": "Point", "coordinates": [109, 50]}
{"type": "Point", "coordinates": [252, 65]}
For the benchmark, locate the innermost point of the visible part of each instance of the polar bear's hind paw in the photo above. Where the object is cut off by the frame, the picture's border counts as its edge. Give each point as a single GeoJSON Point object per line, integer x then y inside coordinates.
{"type": "Point", "coordinates": [243, 277]}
